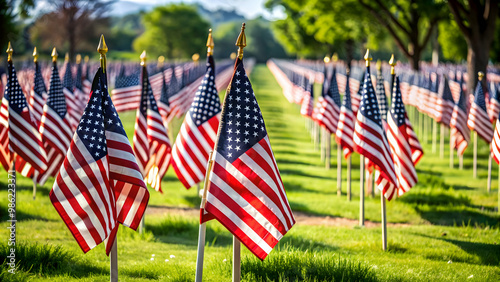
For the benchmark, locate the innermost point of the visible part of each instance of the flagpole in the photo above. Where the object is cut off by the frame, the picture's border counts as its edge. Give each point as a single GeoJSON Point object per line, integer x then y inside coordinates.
{"type": "Point", "coordinates": [489, 172]}
{"type": "Point", "coordinates": [349, 178]}
{"type": "Point", "coordinates": [339, 170]}
{"type": "Point", "coordinates": [328, 149]}
{"type": "Point", "coordinates": [241, 42]}
{"type": "Point", "coordinates": [434, 136]}
{"type": "Point", "coordinates": [322, 144]}
{"type": "Point", "coordinates": [441, 142]}
{"type": "Point", "coordinates": [474, 160]}
{"type": "Point", "coordinates": [362, 191]}
{"type": "Point", "coordinates": [35, 174]}
{"type": "Point", "coordinates": [142, 225]}
{"type": "Point", "coordinates": [102, 48]}
{"type": "Point", "coordinates": [203, 226]}
{"type": "Point", "coordinates": [12, 176]}
{"type": "Point", "coordinates": [451, 153]}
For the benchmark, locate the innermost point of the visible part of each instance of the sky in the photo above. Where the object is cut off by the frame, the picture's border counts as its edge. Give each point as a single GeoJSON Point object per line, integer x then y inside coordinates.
{"type": "Point", "coordinates": [249, 8]}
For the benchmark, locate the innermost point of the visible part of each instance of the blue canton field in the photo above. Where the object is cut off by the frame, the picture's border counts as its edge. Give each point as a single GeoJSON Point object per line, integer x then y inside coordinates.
{"type": "Point", "coordinates": [446, 228]}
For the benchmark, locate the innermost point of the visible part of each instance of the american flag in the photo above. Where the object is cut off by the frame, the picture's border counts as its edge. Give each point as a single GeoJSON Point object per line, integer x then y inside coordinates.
{"type": "Point", "coordinates": [307, 106]}
{"type": "Point", "coordinates": [38, 94]}
{"type": "Point", "coordinates": [356, 93]}
{"type": "Point", "coordinates": [328, 106]}
{"type": "Point", "coordinates": [494, 104]}
{"type": "Point", "coordinates": [381, 95]}
{"type": "Point", "coordinates": [18, 128]}
{"type": "Point", "coordinates": [445, 103]}
{"type": "Point", "coordinates": [87, 84]}
{"type": "Point", "coordinates": [478, 116]}
{"type": "Point", "coordinates": [405, 147]}
{"type": "Point", "coordinates": [55, 127]}
{"type": "Point", "coordinates": [345, 128]}
{"type": "Point", "coordinates": [460, 133]}
{"type": "Point", "coordinates": [370, 139]}
{"type": "Point", "coordinates": [433, 94]}
{"type": "Point", "coordinates": [81, 96]}
{"type": "Point", "coordinates": [164, 104]}
{"type": "Point", "coordinates": [127, 92]}
{"type": "Point", "coordinates": [246, 193]}
{"type": "Point", "coordinates": [197, 135]}
{"type": "Point", "coordinates": [72, 103]}
{"type": "Point", "coordinates": [99, 185]}
{"type": "Point", "coordinates": [151, 144]}
{"type": "Point", "coordinates": [495, 143]}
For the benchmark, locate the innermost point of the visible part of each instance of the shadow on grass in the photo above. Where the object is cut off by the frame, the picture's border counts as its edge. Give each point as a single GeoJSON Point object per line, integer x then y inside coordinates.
{"type": "Point", "coordinates": [46, 259]}
{"type": "Point", "coordinates": [487, 254]}
{"type": "Point", "coordinates": [457, 215]}
{"type": "Point", "coordinates": [185, 231]}
{"type": "Point", "coordinates": [22, 216]}
{"type": "Point", "coordinates": [297, 172]}
{"type": "Point", "coordinates": [290, 161]}
{"type": "Point", "coordinates": [292, 186]}
{"type": "Point", "coordinates": [435, 199]}
{"type": "Point", "coordinates": [305, 245]}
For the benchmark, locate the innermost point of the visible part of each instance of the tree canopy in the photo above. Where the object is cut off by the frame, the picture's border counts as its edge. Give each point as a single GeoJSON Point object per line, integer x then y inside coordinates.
{"type": "Point", "coordinates": [175, 30]}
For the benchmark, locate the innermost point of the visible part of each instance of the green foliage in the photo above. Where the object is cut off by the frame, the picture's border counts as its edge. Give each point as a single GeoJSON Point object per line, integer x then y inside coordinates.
{"type": "Point", "coordinates": [261, 43]}
{"type": "Point", "coordinates": [175, 30]}
{"type": "Point", "coordinates": [123, 31]}
{"type": "Point", "coordinates": [452, 41]}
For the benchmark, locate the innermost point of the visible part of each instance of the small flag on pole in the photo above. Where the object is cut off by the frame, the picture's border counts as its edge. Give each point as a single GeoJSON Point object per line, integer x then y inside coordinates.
{"type": "Point", "coordinates": [478, 116]}
{"type": "Point", "coordinates": [345, 128]}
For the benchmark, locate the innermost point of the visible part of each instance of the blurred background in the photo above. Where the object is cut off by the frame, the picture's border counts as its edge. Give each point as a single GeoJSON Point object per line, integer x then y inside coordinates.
{"type": "Point", "coordinates": [412, 30]}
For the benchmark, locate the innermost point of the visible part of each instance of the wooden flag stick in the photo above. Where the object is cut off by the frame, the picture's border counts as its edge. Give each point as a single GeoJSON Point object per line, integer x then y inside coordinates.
{"type": "Point", "coordinates": [498, 210]}
{"type": "Point", "coordinates": [488, 188]}
{"type": "Point", "coordinates": [236, 260]}
{"type": "Point", "coordinates": [349, 178]}
{"type": "Point", "coordinates": [362, 191]}
{"type": "Point", "coordinates": [474, 160]}
{"type": "Point", "coordinates": [426, 129]}
{"type": "Point", "coordinates": [323, 144]}
{"type": "Point", "coordinates": [35, 179]}
{"type": "Point", "coordinates": [434, 136]}
{"type": "Point", "coordinates": [372, 184]}
{"type": "Point", "coordinates": [339, 170]}
{"type": "Point", "coordinates": [461, 162]}
{"type": "Point", "coordinates": [384, 222]}
{"type": "Point", "coordinates": [328, 149]}
{"type": "Point", "coordinates": [441, 142]}
{"type": "Point", "coordinates": [452, 150]}
{"type": "Point", "coordinates": [203, 226]}
{"type": "Point", "coordinates": [113, 262]}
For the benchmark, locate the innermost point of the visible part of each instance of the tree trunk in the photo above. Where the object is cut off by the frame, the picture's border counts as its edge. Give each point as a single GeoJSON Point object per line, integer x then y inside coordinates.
{"type": "Point", "coordinates": [477, 60]}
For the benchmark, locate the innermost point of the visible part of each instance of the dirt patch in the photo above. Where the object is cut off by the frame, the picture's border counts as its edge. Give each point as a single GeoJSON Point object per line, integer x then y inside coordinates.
{"type": "Point", "coordinates": [301, 217]}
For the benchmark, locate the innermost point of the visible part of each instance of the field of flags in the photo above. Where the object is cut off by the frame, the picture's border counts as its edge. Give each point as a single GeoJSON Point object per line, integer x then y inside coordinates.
{"type": "Point", "coordinates": [63, 129]}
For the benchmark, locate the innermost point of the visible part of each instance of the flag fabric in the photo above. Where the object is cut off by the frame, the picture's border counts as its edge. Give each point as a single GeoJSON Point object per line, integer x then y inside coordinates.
{"type": "Point", "coordinates": [345, 128]}
{"type": "Point", "coordinates": [307, 106]}
{"type": "Point", "coordinates": [38, 94]}
{"type": "Point", "coordinates": [99, 185]}
{"type": "Point", "coordinates": [370, 140]}
{"type": "Point", "coordinates": [494, 104]}
{"type": "Point", "coordinates": [478, 116]}
{"type": "Point", "coordinates": [460, 133]}
{"type": "Point", "coordinates": [55, 127]}
{"type": "Point", "coordinates": [327, 109]}
{"type": "Point", "coordinates": [246, 193]}
{"type": "Point", "coordinates": [445, 103]}
{"type": "Point", "coordinates": [18, 127]}
{"type": "Point", "coordinates": [80, 95]}
{"type": "Point", "coordinates": [164, 104]}
{"type": "Point", "coordinates": [127, 92]}
{"type": "Point", "coordinates": [405, 147]}
{"type": "Point", "coordinates": [151, 143]}
{"type": "Point", "coordinates": [73, 105]}
{"type": "Point", "coordinates": [381, 95]}
{"type": "Point", "coordinates": [198, 132]}
{"type": "Point", "coordinates": [87, 84]}
{"type": "Point", "coordinates": [495, 143]}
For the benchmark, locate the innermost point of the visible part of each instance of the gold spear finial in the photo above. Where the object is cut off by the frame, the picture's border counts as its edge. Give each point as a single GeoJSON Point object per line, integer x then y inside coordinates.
{"type": "Point", "coordinates": [326, 59]}
{"type": "Point", "coordinates": [35, 55]}
{"type": "Point", "coordinates": [54, 55]}
{"type": "Point", "coordinates": [86, 59]}
{"type": "Point", "coordinates": [9, 52]}
{"type": "Point", "coordinates": [392, 62]}
{"type": "Point", "coordinates": [480, 75]}
{"type": "Point", "coordinates": [102, 48]}
{"type": "Point", "coordinates": [368, 57]}
{"type": "Point", "coordinates": [66, 57]}
{"type": "Point", "coordinates": [210, 43]}
{"type": "Point", "coordinates": [161, 60]}
{"type": "Point", "coordinates": [143, 58]}
{"type": "Point", "coordinates": [335, 57]}
{"type": "Point", "coordinates": [379, 65]}
{"type": "Point", "coordinates": [78, 58]}
{"type": "Point", "coordinates": [195, 57]}
{"type": "Point", "coordinates": [241, 42]}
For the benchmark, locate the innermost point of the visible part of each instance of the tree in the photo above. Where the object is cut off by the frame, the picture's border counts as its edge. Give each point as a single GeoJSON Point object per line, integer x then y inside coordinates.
{"type": "Point", "coordinates": [10, 12]}
{"type": "Point", "coordinates": [452, 41]}
{"type": "Point", "coordinates": [175, 30]}
{"type": "Point", "coordinates": [411, 23]}
{"type": "Point", "coordinates": [76, 24]}
{"type": "Point", "coordinates": [476, 20]}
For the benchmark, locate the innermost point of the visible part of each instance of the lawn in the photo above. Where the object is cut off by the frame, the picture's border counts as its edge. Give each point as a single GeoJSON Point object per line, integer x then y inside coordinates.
{"type": "Point", "coordinates": [445, 229]}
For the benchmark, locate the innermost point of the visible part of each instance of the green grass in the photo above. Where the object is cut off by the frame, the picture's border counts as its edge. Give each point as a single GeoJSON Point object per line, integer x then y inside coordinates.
{"type": "Point", "coordinates": [450, 228]}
